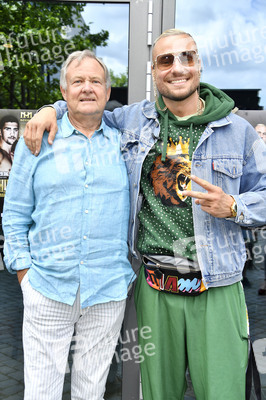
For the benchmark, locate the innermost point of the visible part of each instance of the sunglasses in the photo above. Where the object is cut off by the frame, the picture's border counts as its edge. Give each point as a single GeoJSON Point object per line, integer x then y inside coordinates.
{"type": "Point", "coordinates": [186, 58]}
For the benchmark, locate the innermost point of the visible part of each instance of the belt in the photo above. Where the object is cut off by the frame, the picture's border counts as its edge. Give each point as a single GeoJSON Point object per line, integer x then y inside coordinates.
{"type": "Point", "coordinates": [167, 278]}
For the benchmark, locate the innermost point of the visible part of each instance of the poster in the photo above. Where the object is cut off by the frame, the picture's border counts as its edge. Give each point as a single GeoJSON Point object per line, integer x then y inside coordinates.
{"type": "Point", "coordinates": [12, 125]}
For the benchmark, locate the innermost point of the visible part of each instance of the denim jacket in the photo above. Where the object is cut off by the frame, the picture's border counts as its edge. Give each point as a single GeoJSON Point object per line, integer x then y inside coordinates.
{"type": "Point", "coordinates": [230, 155]}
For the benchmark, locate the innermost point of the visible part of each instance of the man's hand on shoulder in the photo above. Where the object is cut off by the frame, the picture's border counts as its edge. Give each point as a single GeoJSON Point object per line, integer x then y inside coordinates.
{"type": "Point", "coordinates": [45, 119]}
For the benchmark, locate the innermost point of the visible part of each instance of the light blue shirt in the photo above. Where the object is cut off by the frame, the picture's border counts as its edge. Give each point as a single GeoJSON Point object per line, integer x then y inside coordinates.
{"type": "Point", "coordinates": [66, 216]}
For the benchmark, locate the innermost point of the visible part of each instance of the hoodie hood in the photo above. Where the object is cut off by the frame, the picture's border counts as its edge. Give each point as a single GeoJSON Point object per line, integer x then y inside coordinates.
{"type": "Point", "coordinates": [217, 105]}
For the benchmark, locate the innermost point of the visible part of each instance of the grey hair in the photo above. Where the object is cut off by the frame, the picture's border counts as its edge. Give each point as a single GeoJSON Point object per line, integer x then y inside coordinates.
{"type": "Point", "coordinates": [79, 56]}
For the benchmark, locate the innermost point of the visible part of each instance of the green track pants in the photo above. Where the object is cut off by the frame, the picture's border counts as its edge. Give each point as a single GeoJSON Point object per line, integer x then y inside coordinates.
{"type": "Point", "coordinates": [207, 333]}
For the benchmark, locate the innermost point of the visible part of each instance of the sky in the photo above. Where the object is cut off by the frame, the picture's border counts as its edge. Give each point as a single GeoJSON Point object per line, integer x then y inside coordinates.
{"type": "Point", "coordinates": [231, 37]}
{"type": "Point", "coordinates": [115, 19]}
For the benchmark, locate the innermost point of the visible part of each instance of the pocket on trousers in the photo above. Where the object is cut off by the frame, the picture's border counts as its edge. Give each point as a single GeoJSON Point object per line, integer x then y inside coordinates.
{"type": "Point", "coordinates": [24, 281]}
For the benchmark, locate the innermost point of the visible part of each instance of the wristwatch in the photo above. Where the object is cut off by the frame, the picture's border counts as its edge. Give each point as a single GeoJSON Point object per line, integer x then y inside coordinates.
{"type": "Point", "coordinates": [233, 209]}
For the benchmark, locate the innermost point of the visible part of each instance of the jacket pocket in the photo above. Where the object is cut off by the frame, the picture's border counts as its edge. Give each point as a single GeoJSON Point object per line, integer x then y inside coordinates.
{"type": "Point", "coordinates": [230, 167]}
{"type": "Point", "coordinates": [227, 174]}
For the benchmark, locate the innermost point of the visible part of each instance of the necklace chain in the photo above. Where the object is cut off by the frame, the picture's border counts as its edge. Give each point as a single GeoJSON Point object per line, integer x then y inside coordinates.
{"type": "Point", "coordinates": [200, 106]}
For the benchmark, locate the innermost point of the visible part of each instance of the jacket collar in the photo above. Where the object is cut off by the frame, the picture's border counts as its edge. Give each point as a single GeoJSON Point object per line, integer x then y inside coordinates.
{"type": "Point", "coordinates": [220, 122]}
{"type": "Point", "coordinates": [149, 110]}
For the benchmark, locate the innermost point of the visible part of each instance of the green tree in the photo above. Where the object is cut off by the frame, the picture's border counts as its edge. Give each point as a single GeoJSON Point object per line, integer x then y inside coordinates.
{"type": "Point", "coordinates": [119, 80]}
{"type": "Point", "coordinates": [35, 39]}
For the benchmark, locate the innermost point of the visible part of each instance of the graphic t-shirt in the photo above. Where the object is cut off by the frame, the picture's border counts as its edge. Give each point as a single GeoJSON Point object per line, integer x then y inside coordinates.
{"type": "Point", "coordinates": [166, 222]}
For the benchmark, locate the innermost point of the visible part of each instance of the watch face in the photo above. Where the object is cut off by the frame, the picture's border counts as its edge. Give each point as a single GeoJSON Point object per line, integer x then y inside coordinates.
{"type": "Point", "coordinates": [234, 209]}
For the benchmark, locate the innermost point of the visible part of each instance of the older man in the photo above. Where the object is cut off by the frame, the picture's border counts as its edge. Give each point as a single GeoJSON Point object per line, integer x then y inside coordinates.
{"type": "Point", "coordinates": [188, 291]}
{"type": "Point", "coordinates": [65, 224]}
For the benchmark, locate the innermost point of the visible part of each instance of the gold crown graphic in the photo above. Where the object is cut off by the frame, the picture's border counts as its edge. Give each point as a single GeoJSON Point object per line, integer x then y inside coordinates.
{"type": "Point", "coordinates": [179, 149]}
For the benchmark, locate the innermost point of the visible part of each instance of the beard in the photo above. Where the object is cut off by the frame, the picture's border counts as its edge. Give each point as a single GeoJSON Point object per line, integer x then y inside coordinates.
{"type": "Point", "coordinates": [168, 94]}
{"type": "Point", "coordinates": [178, 95]}
{"type": "Point", "coordinates": [10, 141]}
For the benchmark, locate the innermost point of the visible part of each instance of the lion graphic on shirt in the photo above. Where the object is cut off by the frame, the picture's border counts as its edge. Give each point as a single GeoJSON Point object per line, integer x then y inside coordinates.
{"type": "Point", "coordinates": [171, 177]}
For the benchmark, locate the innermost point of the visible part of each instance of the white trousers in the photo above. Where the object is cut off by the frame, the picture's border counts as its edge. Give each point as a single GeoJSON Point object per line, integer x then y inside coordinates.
{"type": "Point", "coordinates": [51, 329]}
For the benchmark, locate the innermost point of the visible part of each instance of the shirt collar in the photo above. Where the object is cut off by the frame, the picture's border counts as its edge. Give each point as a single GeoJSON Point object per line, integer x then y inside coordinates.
{"type": "Point", "coordinates": [68, 129]}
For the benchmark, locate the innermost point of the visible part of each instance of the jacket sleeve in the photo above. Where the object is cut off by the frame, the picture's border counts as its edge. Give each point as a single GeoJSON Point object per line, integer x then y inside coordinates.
{"type": "Point", "coordinates": [118, 118]}
{"type": "Point", "coordinates": [251, 201]}
{"type": "Point", "coordinates": [122, 117]}
{"type": "Point", "coordinates": [18, 207]}
{"type": "Point", "coordinates": [60, 107]}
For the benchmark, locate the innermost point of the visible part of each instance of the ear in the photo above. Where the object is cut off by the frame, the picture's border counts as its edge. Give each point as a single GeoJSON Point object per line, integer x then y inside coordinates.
{"type": "Point", "coordinates": [200, 67]}
{"type": "Point", "coordinates": [152, 70]}
{"type": "Point", "coordinates": [154, 84]}
{"type": "Point", "coordinates": [153, 76]}
{"type": "Point", "coordinates": [108, 94]}
{"type": "Point", "coordinates": [63, 91]}
{"type": "Point", "coordinates": [153, 73]}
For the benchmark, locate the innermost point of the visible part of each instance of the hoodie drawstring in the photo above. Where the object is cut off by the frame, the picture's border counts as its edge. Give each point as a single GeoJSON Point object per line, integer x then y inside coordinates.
{"type": "Point", "coordinates": [165, 137]}
{"type": "Point", "coordinates": [190, 146]}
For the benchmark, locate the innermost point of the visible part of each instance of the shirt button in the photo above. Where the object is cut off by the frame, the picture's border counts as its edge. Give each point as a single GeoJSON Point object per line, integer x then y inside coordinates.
{"type": "Point", "coordinates": [86, 163]}
{"type": "Point", "coordinates": [86, 186]}
{"type": "Point", "coordinates": [241, 217]}
{"type": "Point", "coordinates": [86, 211]}
{"type": "Point", "coordinates": [84, 237]}
{"type": "Point", "coordinates": [81, 262]}
{"type": "Point", "coordinates": [142, 149]}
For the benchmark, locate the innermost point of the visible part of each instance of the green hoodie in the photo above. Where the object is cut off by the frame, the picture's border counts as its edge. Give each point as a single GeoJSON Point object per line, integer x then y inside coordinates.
{"type": "Point", "coordinates": [217, 105]}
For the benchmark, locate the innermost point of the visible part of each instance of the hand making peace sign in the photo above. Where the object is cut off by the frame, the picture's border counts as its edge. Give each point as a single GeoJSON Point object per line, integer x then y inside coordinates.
{"type": "Point", "coordinates": [215, 201]}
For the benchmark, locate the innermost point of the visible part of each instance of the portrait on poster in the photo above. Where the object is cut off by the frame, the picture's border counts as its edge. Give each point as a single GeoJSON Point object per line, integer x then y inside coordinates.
{"type": "Point", "coordinates": [12, 124]}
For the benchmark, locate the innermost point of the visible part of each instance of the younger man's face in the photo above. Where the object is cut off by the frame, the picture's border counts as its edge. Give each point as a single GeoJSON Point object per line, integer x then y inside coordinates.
{"type": "Point", "coordinates": [10, 132]}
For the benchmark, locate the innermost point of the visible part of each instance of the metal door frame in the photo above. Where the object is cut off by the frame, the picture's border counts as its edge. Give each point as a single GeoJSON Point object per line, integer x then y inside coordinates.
{"type": "Point", "coordinates": [147, 20]}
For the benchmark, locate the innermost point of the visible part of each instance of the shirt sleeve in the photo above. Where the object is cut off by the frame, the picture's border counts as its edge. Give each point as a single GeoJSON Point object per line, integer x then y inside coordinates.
{"type": "Point", "coordinates": [18, 207]}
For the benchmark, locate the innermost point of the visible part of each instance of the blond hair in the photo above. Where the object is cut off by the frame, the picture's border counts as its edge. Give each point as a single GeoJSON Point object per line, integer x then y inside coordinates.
{"type": "Point", "coordinates": [173, 32]}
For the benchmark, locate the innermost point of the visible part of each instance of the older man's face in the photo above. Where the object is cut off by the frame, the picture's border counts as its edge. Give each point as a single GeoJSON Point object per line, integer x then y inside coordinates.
{"type": "Point", "coordinates": [10, 132]}
{"type": "Point", "coordinates": [86, 93]}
